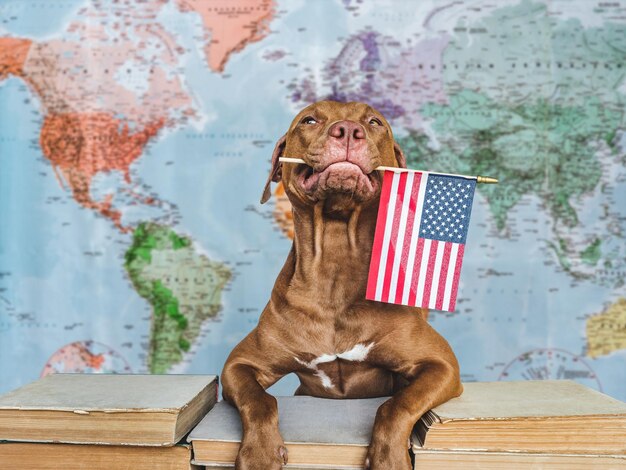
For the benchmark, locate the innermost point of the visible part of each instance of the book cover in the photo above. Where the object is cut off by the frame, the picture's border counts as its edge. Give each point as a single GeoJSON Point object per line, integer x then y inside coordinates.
{"type": "Point", "coordinates": [107, 409]}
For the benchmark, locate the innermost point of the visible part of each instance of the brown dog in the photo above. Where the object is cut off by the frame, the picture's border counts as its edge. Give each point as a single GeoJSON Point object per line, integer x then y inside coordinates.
{"type": "Point", "coordinates": [317, 322]}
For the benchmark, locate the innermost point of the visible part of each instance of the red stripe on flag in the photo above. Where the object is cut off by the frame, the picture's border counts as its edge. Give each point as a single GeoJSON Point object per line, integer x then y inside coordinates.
{"type": "Point", "coordinates": [429, 273]}
{"type": "Point", "coordinates": [379, 234]}
{"type": "Point", "coordinates": [443, 277]}
{"type": "Point", "coordinates": [394, 236]}
{"type": "Point", "coordinates": [457, 275]}
{"type": "Point", "coordinates": [407, 238]}
{"type": "Point", "coordinates": [416, 271]}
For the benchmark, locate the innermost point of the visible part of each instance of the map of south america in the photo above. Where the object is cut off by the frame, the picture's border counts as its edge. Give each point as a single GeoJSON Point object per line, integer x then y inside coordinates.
{"type": "Point", "coordinates": [183, 287]}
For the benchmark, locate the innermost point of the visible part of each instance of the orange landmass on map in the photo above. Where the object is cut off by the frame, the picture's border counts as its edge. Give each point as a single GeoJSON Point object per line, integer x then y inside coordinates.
{"type": "Point", "coordinates": [71, 76]}
{"type": "Point", "coordinates": [283, 214]}
{"type": "Point", "coordinates": [80, 145]}
{"type": "Point", "coordinates": [74, 357]}
{"type": "Point", "coordinates": [230, 25]}
{"type": "Point", "coordinates": [95, 361]}
{"type": "Point", "coordinates": [13, 53]}
{"type": "Point", "coordinates": [93, 124]}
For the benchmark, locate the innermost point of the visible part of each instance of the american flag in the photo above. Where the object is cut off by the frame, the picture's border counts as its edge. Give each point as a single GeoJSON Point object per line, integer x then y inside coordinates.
{"type": "Point", "coordinates": [420, 239]}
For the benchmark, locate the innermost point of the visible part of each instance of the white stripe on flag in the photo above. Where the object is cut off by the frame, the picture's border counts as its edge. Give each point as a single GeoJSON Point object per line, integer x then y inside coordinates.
{"type": "Point", "coordinates": [422, 275]}
{"type": "Point", "coordinates": [414, 236]}
{"type": "Point", "coordinates": [454, 252]}
{"type": "Point", "coordinates": [401, 233]}
{"type": "Point", "coordinates": [384, 251]}
{"type": "Point", "coordinates": [432, 301]}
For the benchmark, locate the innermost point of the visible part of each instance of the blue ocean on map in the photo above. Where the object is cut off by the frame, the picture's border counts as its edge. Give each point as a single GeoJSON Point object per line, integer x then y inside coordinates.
{"type": "Point", "coordinates": [135, 141]}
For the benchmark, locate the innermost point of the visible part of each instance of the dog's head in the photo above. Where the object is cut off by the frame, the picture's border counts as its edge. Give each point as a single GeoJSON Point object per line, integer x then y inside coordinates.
{"type": "Point", "coordinates": [342, 144]}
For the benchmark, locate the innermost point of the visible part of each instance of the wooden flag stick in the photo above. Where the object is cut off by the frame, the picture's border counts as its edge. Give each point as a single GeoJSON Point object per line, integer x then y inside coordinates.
{"type": "Point", "coordinates": [479, 179]}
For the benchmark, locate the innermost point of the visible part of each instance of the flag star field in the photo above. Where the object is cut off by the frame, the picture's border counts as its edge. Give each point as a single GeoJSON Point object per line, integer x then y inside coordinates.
{"type": "Point", "coordinates": [447, 208]}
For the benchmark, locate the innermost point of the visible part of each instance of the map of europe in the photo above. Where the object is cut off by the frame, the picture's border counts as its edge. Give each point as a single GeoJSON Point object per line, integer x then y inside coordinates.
{"type": "Point", "coordinates": [135, 139]}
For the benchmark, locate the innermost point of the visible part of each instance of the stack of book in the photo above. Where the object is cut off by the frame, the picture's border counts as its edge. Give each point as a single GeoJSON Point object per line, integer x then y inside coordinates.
{"type": "Point", "coordinates": [531, 424]}
{"type": "Point", "coordinates": [518, 425]}
{"type": "Point", "coordinates": [139, 422]}
{"type": "Point", "coordinates": [103, 422]}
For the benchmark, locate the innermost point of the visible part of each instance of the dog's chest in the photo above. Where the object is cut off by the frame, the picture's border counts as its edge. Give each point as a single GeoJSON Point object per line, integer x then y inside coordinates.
{"type": "Point", "coordinates": [328, 367]}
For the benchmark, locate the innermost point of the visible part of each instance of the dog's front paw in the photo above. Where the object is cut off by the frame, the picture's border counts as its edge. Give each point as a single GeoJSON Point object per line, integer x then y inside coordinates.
{"type": "Point", "coordinates": [261, 454]}
{"type": "Point", "coordinates": [387, 454]}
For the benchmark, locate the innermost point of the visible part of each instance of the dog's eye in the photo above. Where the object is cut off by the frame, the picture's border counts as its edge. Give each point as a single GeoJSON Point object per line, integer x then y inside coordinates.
{"type": "Point", "coordinates": [309, 120]}
{"type": "Point", "coordinates": [375, 122]}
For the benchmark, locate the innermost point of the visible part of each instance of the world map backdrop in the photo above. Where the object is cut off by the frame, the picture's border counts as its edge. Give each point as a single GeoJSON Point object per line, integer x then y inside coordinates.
{"type": "Point", "coordinates": [135, 139]}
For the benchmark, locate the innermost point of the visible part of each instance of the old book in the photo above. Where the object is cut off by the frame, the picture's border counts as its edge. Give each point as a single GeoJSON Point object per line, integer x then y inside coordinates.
{"type": "Point", "coordinates": [317, 432]}
{"type": "Point", "coordinates": [147, 410]}
{"type": "Point", "coordinates": [550, 416]}
{"type": "Point", "coordinates": [40, 456]}
{"type": "Point", "coordinates": [464, 460]}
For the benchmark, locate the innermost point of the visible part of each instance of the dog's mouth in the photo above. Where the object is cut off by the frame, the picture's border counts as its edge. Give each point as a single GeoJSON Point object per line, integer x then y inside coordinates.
{"type": "Point", "coordinates": [338, 177]}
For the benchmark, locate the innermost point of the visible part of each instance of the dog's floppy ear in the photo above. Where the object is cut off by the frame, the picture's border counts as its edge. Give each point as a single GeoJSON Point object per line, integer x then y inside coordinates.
{"type": "Point", "coordinates": [399, 155]}
{"type": "Point", "coordinates": [276, 171]}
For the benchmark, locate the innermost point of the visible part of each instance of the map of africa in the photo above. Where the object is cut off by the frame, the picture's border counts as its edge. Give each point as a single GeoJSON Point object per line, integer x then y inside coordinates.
{"type": "Point", "coordinates": [135, 139]}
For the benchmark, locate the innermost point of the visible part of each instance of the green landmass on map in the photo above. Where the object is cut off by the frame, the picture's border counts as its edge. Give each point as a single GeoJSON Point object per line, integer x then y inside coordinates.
{"type": "Point", "coordinates": [523, 52]}
{"type": "Point", "coordinates": [560, 250]}
{"type": "Point", "coordinates": [183, 287]}
{"type": "Point", "coordinates": [592, 254]}
{"type": "Point", "coordinates": [537, 147]}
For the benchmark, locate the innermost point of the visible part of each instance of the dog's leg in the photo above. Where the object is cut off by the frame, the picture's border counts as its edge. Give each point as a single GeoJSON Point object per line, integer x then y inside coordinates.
{"type": "Point", "coordinates": [420, 355]}
{"type": "Point", "coordinates": [248, 371]}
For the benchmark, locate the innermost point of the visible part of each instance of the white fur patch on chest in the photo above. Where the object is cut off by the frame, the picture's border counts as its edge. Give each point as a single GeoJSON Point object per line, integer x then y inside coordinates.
{"type": "Point", "coordinates": [358, 353]}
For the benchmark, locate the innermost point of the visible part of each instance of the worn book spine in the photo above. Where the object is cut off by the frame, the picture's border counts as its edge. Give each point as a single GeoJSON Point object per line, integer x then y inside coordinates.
{"type": "Point", "coordinates": [459, 460]}
{"type": "Point", "coordinates": [27, 455]}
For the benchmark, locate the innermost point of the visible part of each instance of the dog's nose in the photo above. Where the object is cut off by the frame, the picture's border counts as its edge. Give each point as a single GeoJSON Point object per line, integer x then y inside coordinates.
{"type": "Point", "coordinates": [346, 129]}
